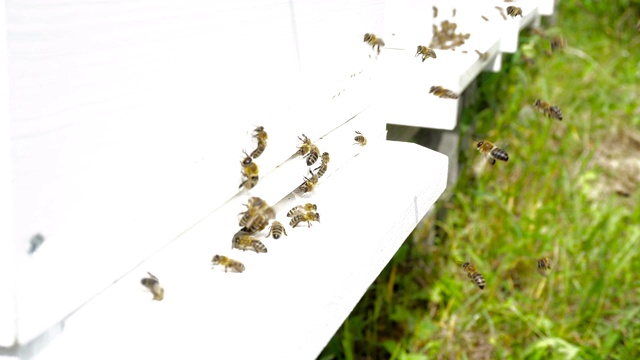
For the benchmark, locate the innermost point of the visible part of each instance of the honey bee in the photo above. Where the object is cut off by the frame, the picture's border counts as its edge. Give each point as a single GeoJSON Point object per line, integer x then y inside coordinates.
{"type": "Point", "coordinates": [153, 285]}
{"type": "Point", "coordinates": [309, 216]}
{"type": "Point", "coordinates": [557, 43]}
{"type": "Point", "coordinates": [235, 265]}
{"type": "Point", "coordinates": [491, 152]}
{"type": "Point", "coordinates": [309, 183]}
{"type": "Point", "coordinates": [484, 18]}
{"type": "Point", "coordinates": [277, 229]}
{"type": "Point", "coordinates": [323, 166]}
{"type": "Point", "coordinates": [454, 13]}
{"type": "Point", "coordinates": [247, 159]}
{"type": "Point", "coordinates": [474, 275]}
{"type": "Point", "coordinates": [360, 139]}
{"type": "Point", "coordinates": [251, 172]}
{"type": "Point", "coordinates": [305, 147]}
{"type": "Point", "coordinates": [262, 137]}
{"type": "Point", "coordinates": [483, 56]}
{"type": "Point", "coordinates": [313, 155]}
{"type": "Point", "coordinates": [547, 109]}
{"type": "Point", "coordinates": [374, 41]}
{"type": "Point", "coordinates": [425, 52]}
{"type": "Point", "coordinates": [435, 12]}
{"type": "Point", "coordinates": [257, 216]}
{"type": "Point", "coordinates": [244, 241]}
{"type": "Point", "coordinates": [301, 209]}
{"type": "Point", "coordinates": [544, 264]}
{"type": "Point", "coordinates": [441, 92]}
{"type": "Point", "coordinates": [514, 11]}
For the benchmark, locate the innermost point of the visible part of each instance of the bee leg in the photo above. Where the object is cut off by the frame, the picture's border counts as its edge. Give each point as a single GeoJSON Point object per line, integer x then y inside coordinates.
{"type": "Point", "coordinates": [492, 161]}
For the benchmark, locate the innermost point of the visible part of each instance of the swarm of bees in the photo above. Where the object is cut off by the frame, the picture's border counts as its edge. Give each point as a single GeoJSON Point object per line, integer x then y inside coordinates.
{"type": "Point", "coordinates": [551, 111]}
{"type": "Point", "coordinates": [441, 92]}
{"type": "Point", "coordinates": [153, 285]}
{"type": "Point", "coordinates": [514, 11]}
{"type": "Point", "coordinates": [228, 263]}
{"type": "Point", "coordinates": [425, 52]}
{"type": "Point", "coordinates": [374, 41]}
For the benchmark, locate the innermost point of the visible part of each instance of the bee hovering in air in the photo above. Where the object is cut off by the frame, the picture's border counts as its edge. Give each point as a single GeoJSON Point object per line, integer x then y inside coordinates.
{"type": "Point", "coordinates": [474, 275]}
{"type": "Point", "coordinates": [277, 229]}
{"type": "Point", "coordinates": [309, 216]}
{"type": "Point", "coordinates": [491, 152]}
{"type": "Point", "coordinates": [547, 109]}
{"type": "Point", "coordinates": [514, 11]}
{"type": "Point", "coordinates": [557, 43]}
{"type": "Point", "coordinates": [234, 265]}
{"type": "Point", "coordinates": [441, 92]}
{"type": "Point", "coordinates": [374, 41]}
{"type": "Point", "coordinates": [544, 265]}
{"type": "Point", "coordinates": [425, 52]}
{"type": "Point", "coordinates": [153, 285]}
{"type": "Point", "coordinates": [360, 139]}
{"type": "Point", "coordinates": [262, 137]}
{"type": "Point", "coordinates": [35, 242]}
{"type": "Point", "coordinates": [243, 241]}
{"type": "Point", "coordinates": [323, 166]}
{"type": "Point", "coordinates": [435, 12]}
{"type": "Point", "coordinates": [301, 209]}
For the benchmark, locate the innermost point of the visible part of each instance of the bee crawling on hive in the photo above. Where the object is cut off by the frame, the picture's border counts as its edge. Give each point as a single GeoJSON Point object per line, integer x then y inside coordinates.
{"type": "Point", "coordinates": [301, 209]}
{"type": "Point", "coordinates": [250, 171]}
{"type": "Point", "coordinates": [257, 216]}
{"type": "Point", "coordinates": [228, 263]}
{"type": "Point", "coordinates": [153, 285]}
{"type": "Point", "coordinates": [243, 240]}
{"type": "Point", "coordinates": [309, 183]}
{"type": "Point", "coordinates": [309, 216]}
{"type": "Point", "coordinates": [277, 229]}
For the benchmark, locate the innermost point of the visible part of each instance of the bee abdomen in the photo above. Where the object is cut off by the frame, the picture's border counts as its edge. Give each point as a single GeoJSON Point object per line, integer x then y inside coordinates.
{"type": "Point", "coordinates": [259, 150]}
{"type": "Point", "coordinates": [478, 279]}
{"type": "Point", "coordinates": [555, 112]}
{"type": "Point", "coordinates": [499, 154]}
{"type": "Point", "coordinates": [296, 220]}
{"type": "Point", "coordinates": [312, 157]}
{"type": "Point", "coordinates": [258, 246]}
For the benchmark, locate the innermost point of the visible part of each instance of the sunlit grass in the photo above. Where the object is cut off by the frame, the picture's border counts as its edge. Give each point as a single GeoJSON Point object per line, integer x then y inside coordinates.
{"type": "Point", "coordinates": [555, 197]}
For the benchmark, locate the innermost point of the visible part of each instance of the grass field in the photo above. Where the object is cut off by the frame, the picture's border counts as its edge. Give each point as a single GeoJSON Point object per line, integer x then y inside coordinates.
{"type": "Point", "coordinates": [569, 192]}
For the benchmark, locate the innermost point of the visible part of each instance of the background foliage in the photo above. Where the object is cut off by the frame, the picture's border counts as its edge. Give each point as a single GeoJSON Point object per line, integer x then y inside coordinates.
{"type": "Point", "coordinates": [569, 192]}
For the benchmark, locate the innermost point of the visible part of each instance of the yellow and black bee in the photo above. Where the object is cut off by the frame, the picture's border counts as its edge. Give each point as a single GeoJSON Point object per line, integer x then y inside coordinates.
{"type": "Point", "coordinates": [374, 41]}
{"type": "Point", "coordinates": [277, 229]}
{"type": "Point", "coordinates": [244, 241]}
{"type": "Point", "coordinates": [313, 155]}
{"type": "Point", "coordinates": [549, 110]}
{"type": "Point", "coordinates": [234, 265]}
{"type": "Point", "coordinates": [425, 52]}
{"type": "Point", "coordinates": [309, 183]}
{"type": "Point", "coordinates": [153, 285]}
{"type": "Point", "coordinates": [262, 137]}
{"type": "Point", "coordinates": [323, 166]}
{"type": "Point", "coordinates": [441, 92]}
{"type": "Point", "coordinates": [474, 275]}
{"type": "Point", "coordinates": [557, 43]}
{"type": "Point", "coordinates": [514, 11]}
{"type": "Point", "coordinates": [360, 139]}
{"type": "Point", "coordinates": [308, 217]}
{"type": "Point", "coordinates": [301, 209]}
{"type": "Point", "coordinates": [544, 265]}
{"type": "Point", "coordinates": [491, 152]}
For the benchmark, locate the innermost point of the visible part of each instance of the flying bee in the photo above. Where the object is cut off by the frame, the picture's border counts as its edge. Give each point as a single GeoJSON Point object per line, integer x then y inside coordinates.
{"type": "Point", "coordinates": [360, 139]}
{"type": "Point", "coordinates": [257, 216]}
{"type": "Point", "coordinates": [474, 275]}
{"type": "Point", "coordinates": [547, 109]}
{"type": "Point", "coordinates": [277, 229]}
{"type": "Point", "coordinates": [544, 265]}
{"type": "Point", "coordinates": [262, 137]}
{"type": "Point", "coordinates": [435, 12]}
{"type": "Point", "coordinates": [514, 11]}
{"type": "Point", "coordinates": [153, 285]}
{"type": "Point", "coordinates": [235, 265]}
{"type": "Point", "coordinates": [491, 152]}
{"type": "Point", "coordinates": [305, 147]}
{"type": "Point", "coordinates": [425, 52]}
{"type": "Point", "coordinates": [557, 43]}
{"type": "Point", "coordinates": [454, 13]}
{"type": "Point", "coordinates": [301, 209]}
{"type": "Point", "coordinates": [35, 242]}
{"type": "Point", "coordinates": [484, 18]}
{"type": "Point", "coordinates": [309, 216]}
{"type": "Point", "coordinates": [441, 92]}
{"type": "Point", "coordinates": [374, 41]}
{"type": "Point", "coordinates": [244, 241]}
{"type": "Point", "coordinates": [312, 156]}
{"type": "Point", "coordinates": [251, 172]}
{"type": "Point", "coordinates": [309, 183]}
{"type": "Point", "coordinates": [323, 166]}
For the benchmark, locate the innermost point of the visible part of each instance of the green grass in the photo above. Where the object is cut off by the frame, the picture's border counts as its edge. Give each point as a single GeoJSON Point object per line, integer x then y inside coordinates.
{"type": "Point", "coordinates": [558, 196]}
